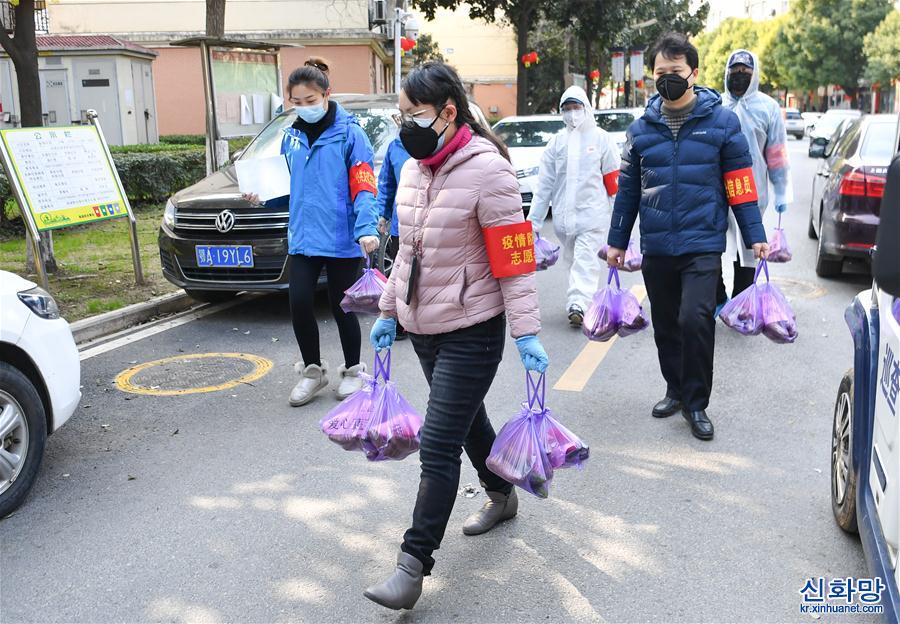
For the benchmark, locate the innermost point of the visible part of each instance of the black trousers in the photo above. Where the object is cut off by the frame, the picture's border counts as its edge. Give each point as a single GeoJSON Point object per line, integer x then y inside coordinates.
{"type": "Point", "coordinates": [743, 279]}
{"type": "Point", "coordinates": [460, 367]}
{"type": "Point", "coordinates": [304, 274]}
{"type": "Point", "coordinates": [682, 292]}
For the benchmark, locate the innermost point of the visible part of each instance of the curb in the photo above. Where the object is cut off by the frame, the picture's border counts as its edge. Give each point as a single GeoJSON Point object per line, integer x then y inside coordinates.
{"type": "Point", "coordinates": [101, 325]}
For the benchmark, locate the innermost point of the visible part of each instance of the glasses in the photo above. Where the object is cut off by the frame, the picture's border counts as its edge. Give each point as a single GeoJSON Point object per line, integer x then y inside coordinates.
{"type": "Point", "coordinates": [401, 118]}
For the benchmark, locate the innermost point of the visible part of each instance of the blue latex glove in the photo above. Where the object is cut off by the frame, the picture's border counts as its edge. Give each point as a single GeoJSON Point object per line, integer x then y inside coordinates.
{"type": "Point", "coordinates": [534, 358]}
{"type": "Point", "coordinates": [780, 208]}
{"type": "Point", "coordinates": [384, 331]}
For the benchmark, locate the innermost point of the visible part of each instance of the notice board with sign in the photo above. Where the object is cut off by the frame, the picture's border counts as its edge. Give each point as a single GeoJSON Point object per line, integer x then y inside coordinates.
{"type": "Point", "coordinates": [65, 175]}
{"type": "Point", "coordinates": [247, 86]}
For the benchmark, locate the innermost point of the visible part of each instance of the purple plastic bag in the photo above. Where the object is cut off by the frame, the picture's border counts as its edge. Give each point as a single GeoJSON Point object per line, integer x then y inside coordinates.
{"type": "Point", "coordinates": [364, 295]}
{"type": "Point", "coordinates": [532, 444]}
{"type": "Point", "coordinates": [613, 311]}
{"type": "Point", "coordinates": [393, 431]}
{"type": "Point", "coordinates": [633, 257]}
{"type": "Point", "coordinates": [518, 455]}
{"type": "Point", "coordinates": [545, 253]}
{"type": "Point", "coordinates": [563, 448]}
{"type": "Point", "coordinates": [347, 424]}
{"type": "Point", "coordinates": [761, 309]}
{"type": "Point", "coordinates": [376, 420]}
{"type": "Point", "coordinates": [779, 251]}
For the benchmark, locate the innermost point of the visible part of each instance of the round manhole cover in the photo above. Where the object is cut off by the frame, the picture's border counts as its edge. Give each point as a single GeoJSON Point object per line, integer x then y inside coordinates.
{"type": "Point", "coordinates": [799, 288]}
{"type": "Point", "coordinates": [192, 374]}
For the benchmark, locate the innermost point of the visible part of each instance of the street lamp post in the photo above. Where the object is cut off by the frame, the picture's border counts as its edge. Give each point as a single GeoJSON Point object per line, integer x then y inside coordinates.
{"type": "Point", "coordinates": [402, 18]}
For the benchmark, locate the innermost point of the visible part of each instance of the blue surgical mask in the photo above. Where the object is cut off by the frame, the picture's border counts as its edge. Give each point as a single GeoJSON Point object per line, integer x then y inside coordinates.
{"type": "Point", "coordinates": [310, 114]}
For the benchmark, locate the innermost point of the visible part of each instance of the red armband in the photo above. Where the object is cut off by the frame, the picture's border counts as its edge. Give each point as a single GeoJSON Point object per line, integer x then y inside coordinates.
{"type": "Point", "coordinates": [611, 182]}
{"type": "Point", "coordinates": [362, 178]}
{"type": "Point", "coordinates": [740, 187]}
{"type": "Point", "coordinates": [510, 249]}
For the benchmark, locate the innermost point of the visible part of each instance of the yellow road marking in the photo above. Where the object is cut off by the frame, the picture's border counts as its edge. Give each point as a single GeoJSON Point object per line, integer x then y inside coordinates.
{"type": "Point", "coordinates": [123, 380]}
{"type": "Point", "coordinates": [582, 368]}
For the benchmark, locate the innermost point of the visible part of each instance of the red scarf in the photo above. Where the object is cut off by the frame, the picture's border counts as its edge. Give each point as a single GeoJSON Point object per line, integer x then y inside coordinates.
{"type": "Point", "coordinates": [459, 140]}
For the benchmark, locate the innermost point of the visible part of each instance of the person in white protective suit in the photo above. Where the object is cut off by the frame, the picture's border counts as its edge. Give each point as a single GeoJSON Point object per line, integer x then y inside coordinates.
{"type": "Point", "coordinates": [763, 125]}
{"type": "Point", "coordinates": [579, 174]}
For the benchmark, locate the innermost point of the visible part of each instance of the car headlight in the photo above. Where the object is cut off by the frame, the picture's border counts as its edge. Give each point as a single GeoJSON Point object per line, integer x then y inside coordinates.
{"type": "Point", "coordinates": [169, 214]}
{"type": "Point", "coordinates": [531, 171]}
{"type": "Point", "coordinates": [40, 302]}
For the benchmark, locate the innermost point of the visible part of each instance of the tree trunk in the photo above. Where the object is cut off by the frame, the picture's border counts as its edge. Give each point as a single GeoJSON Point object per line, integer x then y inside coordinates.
{"type": "Point", "coordinates": [215, 18]}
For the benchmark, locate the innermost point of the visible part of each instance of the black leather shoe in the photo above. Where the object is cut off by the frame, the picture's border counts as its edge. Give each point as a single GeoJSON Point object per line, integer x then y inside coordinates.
{"type": "Point", "coordinates": [666, 408]}
{"type": "Point", "coordinates": [701, 426]}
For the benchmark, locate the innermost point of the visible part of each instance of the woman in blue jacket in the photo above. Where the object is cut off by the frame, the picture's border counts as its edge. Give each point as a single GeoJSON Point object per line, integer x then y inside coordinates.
{"type": "Point", "coordinates": [394, 159]}
{"type": "Point", "coordinates": [333, 220]}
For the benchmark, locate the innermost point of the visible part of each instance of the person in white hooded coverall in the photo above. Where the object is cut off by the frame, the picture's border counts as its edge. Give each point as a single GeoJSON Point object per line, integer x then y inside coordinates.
{"type": "Point", "coordinates": [579, 173]}
{"type": "Point", "coordinates": [763, 126]}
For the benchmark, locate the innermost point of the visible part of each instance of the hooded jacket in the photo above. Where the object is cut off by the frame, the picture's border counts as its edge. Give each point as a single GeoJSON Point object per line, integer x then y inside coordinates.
{"type": "Point", "coordinates": [579, 173]}
{"type": "Point", "coordinates": [328, 215]}
{"type": "Point", "coordinates": [475, 188]}
{"type": "Point", "coordinates": [682, 188]}
{"type": "Point", "coordinates": [763, 126]}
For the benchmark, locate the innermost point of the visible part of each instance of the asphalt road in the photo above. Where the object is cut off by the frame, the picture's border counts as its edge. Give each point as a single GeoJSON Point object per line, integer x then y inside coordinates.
{"type": "Point", "coordinates": [232, 506]}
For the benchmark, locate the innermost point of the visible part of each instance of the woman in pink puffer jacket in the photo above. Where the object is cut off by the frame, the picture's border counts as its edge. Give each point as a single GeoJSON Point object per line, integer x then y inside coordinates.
{"type": "Point", "coordinates": [457, 191]}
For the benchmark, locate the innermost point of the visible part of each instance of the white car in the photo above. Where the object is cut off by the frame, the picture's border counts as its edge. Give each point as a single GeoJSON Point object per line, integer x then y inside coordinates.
{"type": "Point", "coordinates": [616, 122]}
{"type": "Point", "coordinates": [526, 138]}
{"type": "Point", "coordinates": [40, 382]}
{"type": "Point", "coordinates": [794, 123]}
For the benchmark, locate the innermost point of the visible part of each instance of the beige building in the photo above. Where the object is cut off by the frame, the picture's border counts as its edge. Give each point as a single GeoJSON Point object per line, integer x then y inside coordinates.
{"type": "Point", "coordinates": [483, 54]}
{"type": "Point", "coordinates": [340, 30]}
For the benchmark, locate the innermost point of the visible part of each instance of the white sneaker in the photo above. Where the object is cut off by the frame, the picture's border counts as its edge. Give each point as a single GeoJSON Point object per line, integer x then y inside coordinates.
{"type": "Point", "coordinates": [313, 379]}
{"type": "Point", "coordinates": [350, 380]}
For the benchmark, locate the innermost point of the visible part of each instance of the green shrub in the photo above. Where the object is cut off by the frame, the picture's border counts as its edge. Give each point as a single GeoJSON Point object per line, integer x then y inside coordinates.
{"type": "Point", "coordinates": [152, 149]}
{"type": "Point", "coordinates": [183, 139]}
{"type": "Point", "coordinates": [154, 177]}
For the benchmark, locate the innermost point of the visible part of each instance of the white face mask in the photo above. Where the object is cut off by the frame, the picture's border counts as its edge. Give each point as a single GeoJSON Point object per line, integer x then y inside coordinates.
{"type": "Point", "coordinates": [573, 118]}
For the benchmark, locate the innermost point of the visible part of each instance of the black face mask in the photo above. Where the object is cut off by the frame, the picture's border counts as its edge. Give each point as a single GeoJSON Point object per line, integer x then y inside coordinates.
{"type": "Point", "coordinates": [739, 83]}
{"type": "Point", "coordinates": [421, 142]}
{"type": "Point", "coordinates": [671, 86]}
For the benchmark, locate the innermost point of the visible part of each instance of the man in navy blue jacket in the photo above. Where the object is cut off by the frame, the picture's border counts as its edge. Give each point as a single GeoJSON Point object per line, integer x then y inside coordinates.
{"type": "Point", "coordinates": [684, 164]}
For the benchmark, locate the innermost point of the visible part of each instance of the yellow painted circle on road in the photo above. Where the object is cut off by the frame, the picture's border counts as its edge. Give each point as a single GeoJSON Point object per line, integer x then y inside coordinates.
{"type": "Point", "coordinates": [174, 374]}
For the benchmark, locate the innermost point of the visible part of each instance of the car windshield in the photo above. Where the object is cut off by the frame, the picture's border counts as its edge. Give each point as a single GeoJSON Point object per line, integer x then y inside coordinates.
{"type": "Point", "coordinates": [879, 141]}
{"type": "Point", "coordinates": [614, 121]}
{"type": "Point", "coordinates": [377, 123]}
{"type": "Point", "coordinates": [528, 133]}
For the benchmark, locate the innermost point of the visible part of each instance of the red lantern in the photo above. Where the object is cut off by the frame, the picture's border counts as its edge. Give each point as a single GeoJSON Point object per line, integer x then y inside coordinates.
{"type": "Point", "coordinates": [594, 75]}
{"type": "Point", "coordinates": [407, 44]}
{"type": "Point", "coordinates": [530, 59]}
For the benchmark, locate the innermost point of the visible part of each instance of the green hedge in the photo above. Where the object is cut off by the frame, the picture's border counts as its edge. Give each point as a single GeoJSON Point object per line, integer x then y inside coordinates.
{"type": "Point", "coordinates": [149, 177]}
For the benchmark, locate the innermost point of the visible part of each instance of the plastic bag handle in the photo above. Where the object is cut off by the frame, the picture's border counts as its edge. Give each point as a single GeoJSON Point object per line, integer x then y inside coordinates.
{"type": "Point", "coordinates": [536, 390]}
{"type": "Point", "coordinates": [383, 365]}
{"type": "Point", "coordinates": [762, 266]}
{"type": "Point", "coordinates": [613, 273]}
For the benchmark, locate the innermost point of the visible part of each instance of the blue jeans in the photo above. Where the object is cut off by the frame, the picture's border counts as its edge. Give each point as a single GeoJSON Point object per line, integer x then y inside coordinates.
{"type": "Point", "coordinates": [460, 367]}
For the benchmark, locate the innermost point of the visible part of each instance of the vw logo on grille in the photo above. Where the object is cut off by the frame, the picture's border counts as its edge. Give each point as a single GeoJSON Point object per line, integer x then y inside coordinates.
{"type": "Point", "coordinates": [225, 221]}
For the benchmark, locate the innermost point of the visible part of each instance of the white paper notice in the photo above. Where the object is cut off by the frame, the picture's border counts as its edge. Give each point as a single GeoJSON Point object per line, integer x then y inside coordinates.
{"type": "Point", "coordinates": [246, 111]}
{"type": "Point", "coordinates": [267, 177]}
{"type": "Point", "coordinates": [260, 108]}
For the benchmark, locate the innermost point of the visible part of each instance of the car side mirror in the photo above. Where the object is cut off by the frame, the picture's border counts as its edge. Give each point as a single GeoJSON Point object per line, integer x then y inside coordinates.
{"type": "Point", "coordinates": [886, 260]}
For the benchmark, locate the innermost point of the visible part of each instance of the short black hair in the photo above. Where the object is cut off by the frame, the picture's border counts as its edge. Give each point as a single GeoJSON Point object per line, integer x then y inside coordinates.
{"type": "Point", "coordinates": [673, 44]}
